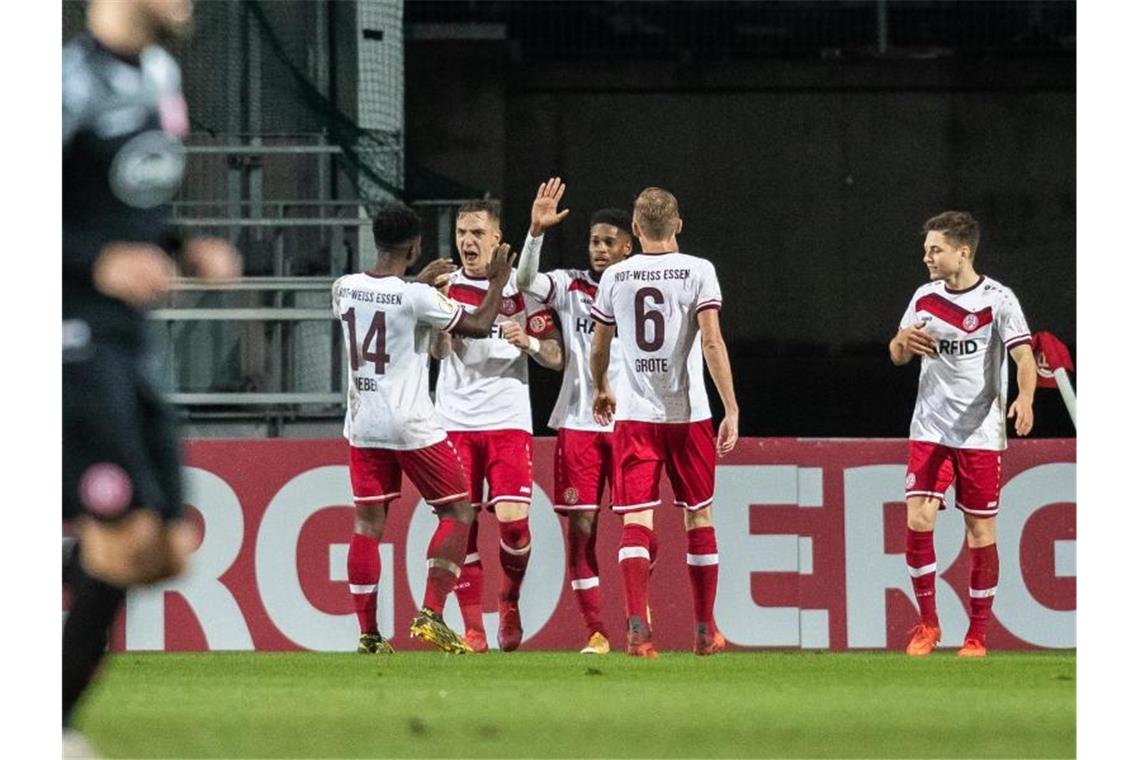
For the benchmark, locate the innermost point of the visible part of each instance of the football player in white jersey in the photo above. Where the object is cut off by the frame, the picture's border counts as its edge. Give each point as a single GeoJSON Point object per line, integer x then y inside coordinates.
{"type": "Point", "coordinates": [390, 422]}
{"type": "Point", "coordinates": [483, 399]}
{"type": "Point", "coordinates": [962, 325]}
{"type": "Point", "coordinates": [660, 302]}
{"type": "Point", "coordinates": [583, 457]}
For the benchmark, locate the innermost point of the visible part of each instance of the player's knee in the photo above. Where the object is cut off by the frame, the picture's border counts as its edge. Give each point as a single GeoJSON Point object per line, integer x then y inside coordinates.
{"type": "Point", "coordinates": [369, 520]}
{"type": "Point", "coordinates": [702, 518]}
{"type": "Point", "coordinates": [644, 517]}
{"type": "Point", "coordinates": [921, 513]}
{"type": "Point", "coordinates": [461, 511]}
{"type": "Point", "coordinates": [508, 511]}
{"type": "Point", "coordinates": [980, 531]}
{"type": "Point", "coordinates": [582, 522]}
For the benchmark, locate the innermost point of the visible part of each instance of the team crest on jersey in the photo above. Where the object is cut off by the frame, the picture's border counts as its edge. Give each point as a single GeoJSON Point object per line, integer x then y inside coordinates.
{"type": "Point", "coordinates": [910, 480]}
{"type": "Point", "coordinates": [537, 323]}
{"type": "Point", "coordinates": [508, 306]}
{"type": "Point", "coordinates": [970, 321]}
{"type": "Point", "coordinates": [570, 496]}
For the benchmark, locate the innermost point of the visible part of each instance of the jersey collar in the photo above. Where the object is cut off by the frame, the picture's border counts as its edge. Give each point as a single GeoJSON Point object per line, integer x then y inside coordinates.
{"type": "Point", "coordinates": [981, 279]}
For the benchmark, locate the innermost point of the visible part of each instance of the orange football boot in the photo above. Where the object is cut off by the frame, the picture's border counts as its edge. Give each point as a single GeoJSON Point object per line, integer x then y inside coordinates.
{"type": "Point", "coordinates": [923, 640]}
{"type": "Point", "coordinates": [972, 648]}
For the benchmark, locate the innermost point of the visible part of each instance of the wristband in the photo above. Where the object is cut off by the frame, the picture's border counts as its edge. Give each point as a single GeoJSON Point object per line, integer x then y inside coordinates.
{"type": "Point", "coordinates": [533, 347]}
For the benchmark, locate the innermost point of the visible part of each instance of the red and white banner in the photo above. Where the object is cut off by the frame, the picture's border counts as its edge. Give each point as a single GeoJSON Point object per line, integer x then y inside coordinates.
{"type": "Point", "coordinates": [811, 535]}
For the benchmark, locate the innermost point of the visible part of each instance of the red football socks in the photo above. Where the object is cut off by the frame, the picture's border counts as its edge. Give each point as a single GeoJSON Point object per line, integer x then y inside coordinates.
{"type": "Point", "coordinates": [583, 567]}
{"type": "Point", "coordinates": [923, 572]}
{"type": "Point", "coordinates": [514, 555]}
{"type": "Point", "coordinates": [363, 577]}
{"type": "Point", "coordinates": [469, 589]}
{"type": "Point", "coordinates": [704, 569]}
{"type": "Point", "coordinates": [633, 556]}
{"type": "Point", "coordinates": [444, 560]}
{"type": "Point", "coordinates": [983, 586]}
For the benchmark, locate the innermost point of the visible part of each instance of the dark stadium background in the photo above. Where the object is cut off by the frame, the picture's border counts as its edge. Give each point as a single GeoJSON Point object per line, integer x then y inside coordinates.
{"type": "Point", "coordinates": [806, 142]}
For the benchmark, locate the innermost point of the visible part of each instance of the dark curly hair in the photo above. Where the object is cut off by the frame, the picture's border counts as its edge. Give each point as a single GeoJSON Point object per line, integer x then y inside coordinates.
{"type": "Point", "coordinates": [394, 224]}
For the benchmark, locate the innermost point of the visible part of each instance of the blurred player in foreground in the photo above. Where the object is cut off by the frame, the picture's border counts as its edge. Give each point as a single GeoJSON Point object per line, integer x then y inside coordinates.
{"type": "Point", "coordinates": [659, 302]}
{"type": "Point", "coordinates": [961, 324]}
{"type": "Point", "coordinates": [390, 422]}
{"type": "Point", "coordinates": [123, 120]}
{"type": "Point", "coordinates": [483, 399]}
{"type": "Point", "coordinates": [583, 457]}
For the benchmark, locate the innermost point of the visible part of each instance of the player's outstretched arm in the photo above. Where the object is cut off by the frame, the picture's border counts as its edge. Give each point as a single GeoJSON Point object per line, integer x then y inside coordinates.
{"type": "Point", "coordinates": [544, 214]}
{"type": "Point", "coordinates": [910, 341]}
{"type": "Point", "coordinates": [1021, 410]}
{"type": "Point", "coordinates": [478, 323]}
{"type": "Point", "coordinates": [716, 357]}
{"type": "Point", "coordinates": [604, 402]}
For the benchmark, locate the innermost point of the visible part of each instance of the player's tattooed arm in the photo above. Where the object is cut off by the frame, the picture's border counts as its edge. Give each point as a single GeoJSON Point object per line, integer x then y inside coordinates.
{"type": "Point", "coordinates": [478, 323]}
{"type": "Point", "coordinates": [604, 402]}
{"type": "Point", "coordinates": [716, 358]}
{"type": "Point", "coordinates": [1021, 410]}
{"type": "Point", "coordinates": [910, 341]}
{"type": "Point", "coordinates": [546, 351]}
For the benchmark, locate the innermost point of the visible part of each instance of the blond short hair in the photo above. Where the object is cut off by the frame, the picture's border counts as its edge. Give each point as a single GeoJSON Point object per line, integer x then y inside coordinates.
{"type": "Point", "coordinates": [656, 213]}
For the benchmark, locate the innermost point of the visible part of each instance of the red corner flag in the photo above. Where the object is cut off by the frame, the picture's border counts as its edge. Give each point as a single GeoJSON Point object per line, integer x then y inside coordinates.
{"type": "Point", "coordinates": [1053, 367]}
{"type": "Point", "coordinates": [1051, 355]}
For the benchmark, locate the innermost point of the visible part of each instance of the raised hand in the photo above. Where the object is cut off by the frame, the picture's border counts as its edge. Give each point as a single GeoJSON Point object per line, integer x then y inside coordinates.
{"type": "Point", "coordinates": [499, 270]}
{"type": "Point", "coordinates": [435, 271]}
{"type": "Point", "coordinates": [544, 213]}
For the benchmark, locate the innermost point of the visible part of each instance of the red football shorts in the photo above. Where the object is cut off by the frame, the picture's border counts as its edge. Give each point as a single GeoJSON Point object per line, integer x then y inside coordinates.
{"type": "Point", "coordinates": [687, 451]}
{"type": "Point", "coordinates": [436, 471]}
{"type": "Point", "coordinates": [976, 474]}
{"type": "Point", "coordinates": [502, 458]}
{"type": "Point", "coordinates": [583, 462]}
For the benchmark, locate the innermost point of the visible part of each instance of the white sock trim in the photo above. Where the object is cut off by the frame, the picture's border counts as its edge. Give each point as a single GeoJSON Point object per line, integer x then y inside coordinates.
{"type": "Point", "coordinates": [443, 564]}
{"type": "Point", "coordinates": [983, 593]}
{"type": "Point", "coordinates": [515, 552]}
{"type": "Point", "coordinates": [918, 572]}
{"type": "Point", "coordinates": [581, 584]}
{"type": "Point", "coordinates": [701, 560]}
{"type": "Point", "coordinates": [361, 589]}
{"type": "Point", "coordinates": [633, 552]}
{"type": "Point", "coordinates": [472, 557]}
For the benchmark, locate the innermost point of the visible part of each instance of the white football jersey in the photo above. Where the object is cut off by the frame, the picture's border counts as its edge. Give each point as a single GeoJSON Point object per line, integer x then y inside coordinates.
{"type": "Point", "coordinates": [483, 381]}
{"type": "Point", "coordinates": [962, 388]}
{"type": "Point", "coordinates": [653, 299]}
{"type": "Point", "coordinates": [387, 325]}
{"type": "Point", "coordinates": [571, 293]}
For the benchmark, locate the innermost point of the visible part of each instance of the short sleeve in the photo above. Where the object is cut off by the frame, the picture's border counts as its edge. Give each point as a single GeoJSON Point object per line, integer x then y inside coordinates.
{"type": "Point", "coordinates": [603, 309]}
{"type": "Point", "coordinates": [543, 288]}
{"type": "Point", "coordinates": [708, 289]}
{"type": "Point", "coordinates": [1011, 325]}
{"type": "Point", "coordinates": [432, 307]}
{"type": "Point", "coordinates": [909, 316]}
{"type": "Point", "coordinates": [559, 282]}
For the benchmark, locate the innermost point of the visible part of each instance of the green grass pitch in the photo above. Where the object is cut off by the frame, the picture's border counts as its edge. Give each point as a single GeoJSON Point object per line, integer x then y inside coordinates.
{"type": "Point", "coordinates": [545, 704]}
